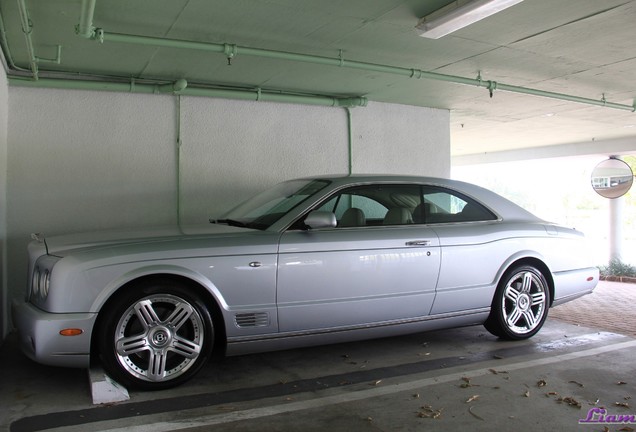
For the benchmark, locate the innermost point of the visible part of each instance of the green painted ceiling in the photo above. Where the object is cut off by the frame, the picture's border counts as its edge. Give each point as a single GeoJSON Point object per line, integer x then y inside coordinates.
{"type": "Point", "coordinates": [584, 48]}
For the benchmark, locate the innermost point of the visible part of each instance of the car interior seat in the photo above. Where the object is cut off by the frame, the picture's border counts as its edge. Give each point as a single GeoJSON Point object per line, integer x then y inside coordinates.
{"type": "Point", "coordinates": [352, 217]}
{"type": "Point", "coordinates": [398, 216]}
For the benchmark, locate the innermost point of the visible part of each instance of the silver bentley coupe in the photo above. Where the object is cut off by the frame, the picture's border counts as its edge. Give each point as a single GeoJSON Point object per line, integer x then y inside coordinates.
{"type": "Point", "coordinates": [309, 261]}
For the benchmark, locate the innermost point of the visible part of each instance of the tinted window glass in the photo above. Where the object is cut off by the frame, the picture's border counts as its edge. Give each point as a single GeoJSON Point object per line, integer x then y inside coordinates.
{"type": "Point", "coordinates": [374, 205]}
{"type": "Point", "coordinates": [445, 206]}
{"type": "Point", "coordinates": [392, 204]}
{"type": "Point", "coordinates": [264, 209]}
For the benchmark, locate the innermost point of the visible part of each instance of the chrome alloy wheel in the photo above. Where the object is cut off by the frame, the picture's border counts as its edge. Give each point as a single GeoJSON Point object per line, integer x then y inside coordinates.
{"type": "Point", "coordinates": [159, 337]}
{"type": "Point", "coordinates": [525, 302]}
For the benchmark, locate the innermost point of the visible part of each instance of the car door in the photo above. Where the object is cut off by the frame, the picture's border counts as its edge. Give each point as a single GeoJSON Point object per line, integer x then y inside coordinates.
{"type": "Point", "coordinates": [376, 267]}
{"type": "Point", "coordinates": [472, 250]}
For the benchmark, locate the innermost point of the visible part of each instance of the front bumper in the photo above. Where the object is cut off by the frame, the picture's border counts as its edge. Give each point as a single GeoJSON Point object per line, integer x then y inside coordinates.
{"type": "Point", "coordinates": [40, 338]}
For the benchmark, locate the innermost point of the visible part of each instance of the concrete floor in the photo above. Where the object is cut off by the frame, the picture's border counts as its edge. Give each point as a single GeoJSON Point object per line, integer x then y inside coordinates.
{"type": "Point", "coordinates": [460, 379]}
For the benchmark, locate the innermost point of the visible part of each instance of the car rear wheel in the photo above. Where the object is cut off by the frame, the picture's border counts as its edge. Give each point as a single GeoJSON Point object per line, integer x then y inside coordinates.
{"type": "Point", "coordinates": [156, 336]}
{"type": "Point", "coordinates": [520, 305]}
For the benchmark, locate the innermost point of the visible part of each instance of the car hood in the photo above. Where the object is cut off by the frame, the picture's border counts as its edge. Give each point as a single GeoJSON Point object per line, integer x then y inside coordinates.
{"type": "Point", "coordinates": [60, 245]}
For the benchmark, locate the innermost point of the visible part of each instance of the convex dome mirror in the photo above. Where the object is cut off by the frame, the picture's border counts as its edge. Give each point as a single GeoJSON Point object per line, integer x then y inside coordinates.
{"type": "Point", "coordinates": [612, 178]}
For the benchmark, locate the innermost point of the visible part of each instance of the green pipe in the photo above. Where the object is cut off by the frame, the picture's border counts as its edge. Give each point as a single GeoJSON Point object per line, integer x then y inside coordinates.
{"type": "Point", "coordinates": [231, 51]}
{"type": "Point", "coordinates": [178, 161]}
{"type": "Point", "coordinates": [570, 98]}
{"type": "Point", "coordinates": [85, 27]}
{"type": "Point", "coordinates": [175, 87]}
{"type": "Point", "coordinates": [5, 47]}
{"type": "Point", "coordinates": [56, 60]}
{"type": "Point", "coordinates": [27, 28]}
{"type": "Point", "coordinates": [350, 140]}
{"type": "Point", "coordinates": [101, 36]}
{"type": "Point", "coordinates": [180, 87]}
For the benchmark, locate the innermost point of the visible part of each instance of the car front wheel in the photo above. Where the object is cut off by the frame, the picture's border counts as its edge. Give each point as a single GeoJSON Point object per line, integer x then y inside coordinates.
{"type": "Point", "coordinates": [520, 305]}
{"type": "Point", "coordinates": [156, 336]}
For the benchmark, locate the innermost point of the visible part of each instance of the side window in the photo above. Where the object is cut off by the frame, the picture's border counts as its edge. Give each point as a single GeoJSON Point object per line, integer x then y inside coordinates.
{"type": "Point", "coordinates": [444, 206]}
{"type": "Point", "coordinates": [374, 205]}
{"type": "Point", "coordinates": [372, 209]}
{"type": "Point", "coordinates": [354, 210]}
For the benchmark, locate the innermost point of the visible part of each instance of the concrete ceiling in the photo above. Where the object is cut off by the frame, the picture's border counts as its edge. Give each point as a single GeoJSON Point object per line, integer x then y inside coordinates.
{"type": "Point", "coordinates": [583, 48]}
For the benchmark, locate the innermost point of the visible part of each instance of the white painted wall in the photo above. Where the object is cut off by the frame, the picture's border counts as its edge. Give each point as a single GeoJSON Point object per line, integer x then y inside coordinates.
{"type": "Point", "coordinates": [4, 109]}
{"type": "Point", "coordinates": [82, 160]}
{"type": "Point", "coordinates": [401, 139]}
{"type": "Point", "coordinates": [232, 148]}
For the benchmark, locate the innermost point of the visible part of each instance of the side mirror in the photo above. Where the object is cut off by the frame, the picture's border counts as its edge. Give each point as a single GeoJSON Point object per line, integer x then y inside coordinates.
{"type": "Point", "coordinates": [321, 219]}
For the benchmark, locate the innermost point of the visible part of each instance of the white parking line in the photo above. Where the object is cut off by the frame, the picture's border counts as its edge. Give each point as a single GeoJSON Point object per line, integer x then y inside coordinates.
{"type": "Point", "coordinates": [255, 413]}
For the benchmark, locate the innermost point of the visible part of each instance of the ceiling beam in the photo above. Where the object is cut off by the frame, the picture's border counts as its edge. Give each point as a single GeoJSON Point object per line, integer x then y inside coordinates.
{"type": "Point", "coordinates": [619, 146]}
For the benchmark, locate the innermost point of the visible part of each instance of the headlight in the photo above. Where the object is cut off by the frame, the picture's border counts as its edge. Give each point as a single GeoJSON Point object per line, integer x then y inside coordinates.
{"type": "Point", "coordinates": [41, 279]}
{"type": "Point", "coordinates": [40, 283]}
{"type": "Point", "coordinates": [45, 280]}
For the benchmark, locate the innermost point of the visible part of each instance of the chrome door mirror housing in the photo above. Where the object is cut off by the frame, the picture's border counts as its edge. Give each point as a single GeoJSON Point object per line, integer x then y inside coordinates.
{"type": "Point", "coordinates": [320, 219]}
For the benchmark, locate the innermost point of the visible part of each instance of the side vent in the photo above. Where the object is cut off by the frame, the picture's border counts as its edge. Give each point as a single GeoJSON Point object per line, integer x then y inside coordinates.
{"type": "Point", "coordinates": [246, 320]}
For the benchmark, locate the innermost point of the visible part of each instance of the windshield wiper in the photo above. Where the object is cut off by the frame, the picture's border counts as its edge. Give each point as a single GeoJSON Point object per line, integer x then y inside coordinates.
{"type": "Point", "coordinates": [230, 222]}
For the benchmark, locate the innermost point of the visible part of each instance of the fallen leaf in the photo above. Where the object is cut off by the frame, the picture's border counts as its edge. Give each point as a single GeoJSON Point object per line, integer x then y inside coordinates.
{"type": "Point", "coordinates": [626, 429]}
{"type": "Point", "coordinates": [470, 410]}
{"type": "Point", "coordinates": [622, 404]}
{"type": "Point", "coordinates": [570, 401]}
{"type": "Point", "coordinates": [416, 396]}
{"type": "Point", "coordinates": [428, 411]}
{"type": "Point", "coordinates": [542, 383]}
{"type": "Point", "coordinates": [577, 383]}
{"type": "Point", "coordinates": [472, 398]}
{"type": "Point", "coordinates": [467, 383]}
{"type": "Point", "coordinates": [621, 383]}
{"type": "Point", "coordinates": [552, 393]}
{"type": "Point", "coordinates": [377, 382]}
{"type": "Point", "coordinates": [527, 393]}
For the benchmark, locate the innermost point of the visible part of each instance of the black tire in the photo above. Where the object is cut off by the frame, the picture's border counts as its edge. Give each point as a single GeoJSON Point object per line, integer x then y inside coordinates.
{"type": "Point", "coordinates": [155, 335]}
{"type": "Point", "coordinates": [520, 306]}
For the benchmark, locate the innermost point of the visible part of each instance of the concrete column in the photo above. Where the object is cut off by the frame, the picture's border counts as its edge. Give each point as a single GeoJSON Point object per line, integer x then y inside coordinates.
{"type": "Point", "coordinates": [616, 228]}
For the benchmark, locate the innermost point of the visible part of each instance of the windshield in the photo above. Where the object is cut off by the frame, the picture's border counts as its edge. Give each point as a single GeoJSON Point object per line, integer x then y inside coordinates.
{"type": "Point", "coordinates": [264, 209]}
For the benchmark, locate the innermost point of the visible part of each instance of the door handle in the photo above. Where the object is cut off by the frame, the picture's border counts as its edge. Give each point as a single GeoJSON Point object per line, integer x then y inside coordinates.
{"type": "Point", "coordinates": [418, 243]}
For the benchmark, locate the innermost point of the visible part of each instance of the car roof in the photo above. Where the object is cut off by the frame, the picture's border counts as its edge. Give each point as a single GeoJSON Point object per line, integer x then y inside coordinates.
{"type": "Point", "coordinates": [504, 208]}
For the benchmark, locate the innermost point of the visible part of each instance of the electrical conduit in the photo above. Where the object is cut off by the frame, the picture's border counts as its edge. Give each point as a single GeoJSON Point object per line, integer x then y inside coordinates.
{"type": "Point", "coordinates": [231, 51]}
{"type": "Point", "coordinates": [86, 29]}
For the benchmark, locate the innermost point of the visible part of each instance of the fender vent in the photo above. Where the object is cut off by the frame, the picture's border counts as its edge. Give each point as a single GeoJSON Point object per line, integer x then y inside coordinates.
{"type": "Point", "coordinates": [244, 320]}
